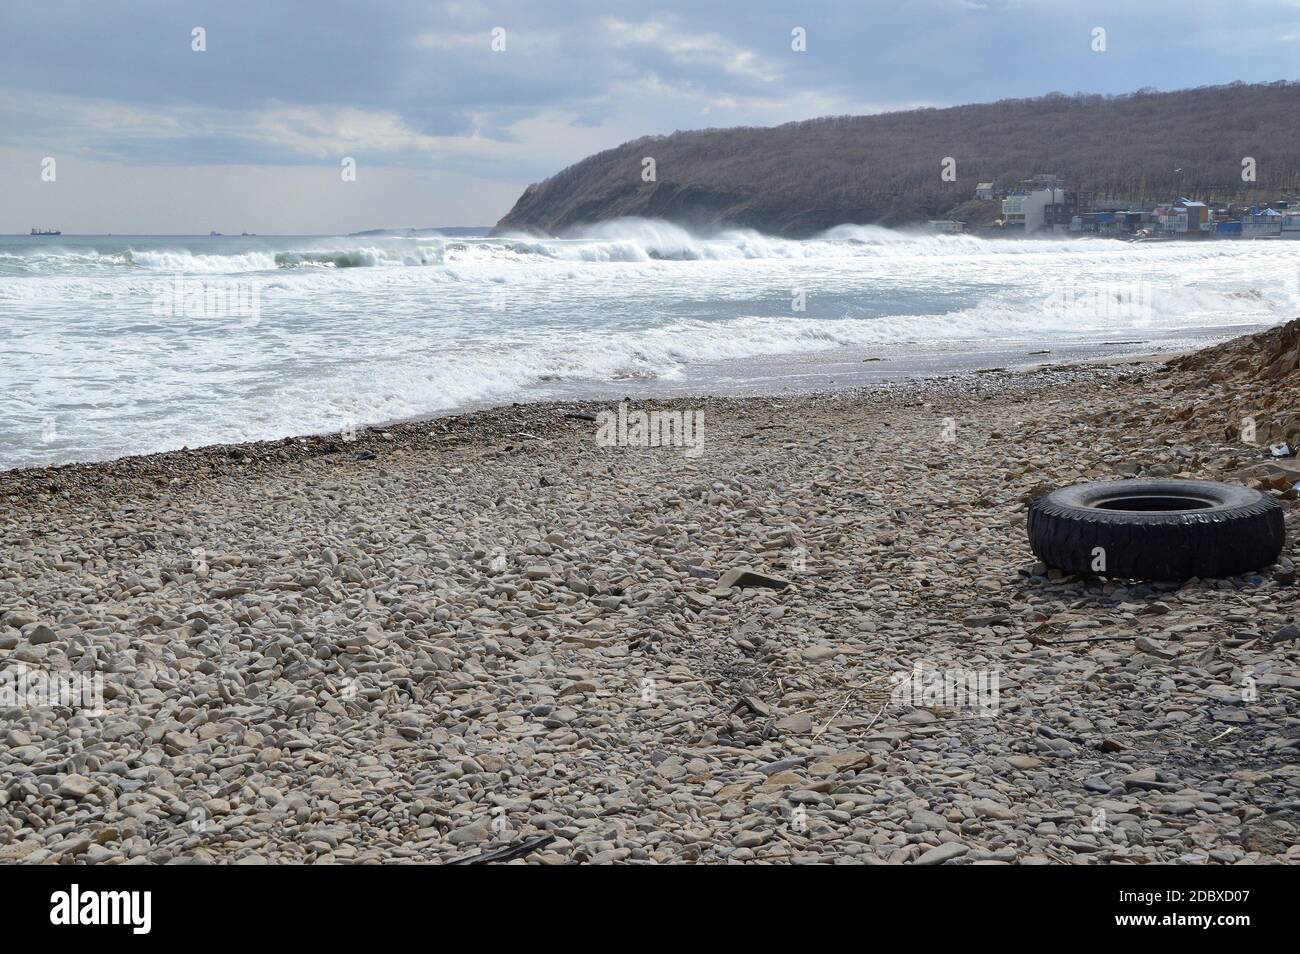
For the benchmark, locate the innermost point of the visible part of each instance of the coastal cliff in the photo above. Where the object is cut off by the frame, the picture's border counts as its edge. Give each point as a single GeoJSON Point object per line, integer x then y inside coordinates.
{"type": "Point", "coordinates": [802, 178]}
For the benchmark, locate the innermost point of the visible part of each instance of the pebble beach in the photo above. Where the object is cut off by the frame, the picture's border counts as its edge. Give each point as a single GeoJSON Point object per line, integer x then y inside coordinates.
{"type": "Point", "coordinates": [494, 636]}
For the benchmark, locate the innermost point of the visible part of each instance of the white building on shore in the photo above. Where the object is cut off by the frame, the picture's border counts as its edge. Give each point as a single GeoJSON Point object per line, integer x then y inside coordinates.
{"type": "Point", "coordinates": [1027, 207]}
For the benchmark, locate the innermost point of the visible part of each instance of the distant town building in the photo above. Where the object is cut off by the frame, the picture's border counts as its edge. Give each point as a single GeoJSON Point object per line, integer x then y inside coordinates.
{"type": "Point", "coordinates": [1108, 223]}
{"type": "Point", "coordinates": [1197, 215]}
{"type": "Point", "coordinates": [1261, 223]}
{"type": "Point", "coordinates": [947, 226]}
{"type": "Point", "coordinates": [1058, 216]}
{"type": "Point", "coordinates": [1026, 209]}
{"type": "Point", "coordinates": [1042, 205]}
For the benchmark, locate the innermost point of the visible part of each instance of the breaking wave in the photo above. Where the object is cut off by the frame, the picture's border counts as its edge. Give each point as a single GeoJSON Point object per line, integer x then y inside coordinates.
{"type": "Point", "coordinates": [628, 240]}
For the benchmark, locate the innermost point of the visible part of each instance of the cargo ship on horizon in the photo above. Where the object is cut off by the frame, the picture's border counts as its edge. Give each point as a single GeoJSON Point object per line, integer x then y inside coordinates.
{"type": "Point", "coordinates": [46, 232]}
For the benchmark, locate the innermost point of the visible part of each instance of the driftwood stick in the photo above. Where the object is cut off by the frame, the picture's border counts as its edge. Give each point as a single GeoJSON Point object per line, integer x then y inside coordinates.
{"type": "Point", "coordinates": [508, 853]}
{"type": "Point", "coordinates": [1039, 641]}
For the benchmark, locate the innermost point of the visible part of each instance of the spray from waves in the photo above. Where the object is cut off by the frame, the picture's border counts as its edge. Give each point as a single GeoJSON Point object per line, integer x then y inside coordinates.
{"type": "Point", "coordinates": [55, 261]}
{"type": "Point", "coordinates": [626, 240]}
{"type": "Point", "coordinates": [644, 240]}
{"type": "Point", "coordinates": [369, 257]}
{"type": "Point", "coordinates": [622, 240]}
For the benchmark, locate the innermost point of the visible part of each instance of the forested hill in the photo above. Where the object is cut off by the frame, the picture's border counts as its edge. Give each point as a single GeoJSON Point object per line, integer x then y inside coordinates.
{"type": "Point", "coordinates": [804, 177]}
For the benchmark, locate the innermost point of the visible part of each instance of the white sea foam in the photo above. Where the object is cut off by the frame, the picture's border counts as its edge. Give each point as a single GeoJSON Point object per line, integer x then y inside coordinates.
{"type": "Point", "coordinates": [367, 330]}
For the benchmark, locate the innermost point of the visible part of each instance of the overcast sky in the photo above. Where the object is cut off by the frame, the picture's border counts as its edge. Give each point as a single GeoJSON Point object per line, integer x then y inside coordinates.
{"type": "Point", "coordinates": [150, 136]}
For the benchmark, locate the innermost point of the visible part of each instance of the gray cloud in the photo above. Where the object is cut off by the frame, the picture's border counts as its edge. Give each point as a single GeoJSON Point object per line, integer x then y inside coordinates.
{"type": "Point", "coordinates": [416, 86]}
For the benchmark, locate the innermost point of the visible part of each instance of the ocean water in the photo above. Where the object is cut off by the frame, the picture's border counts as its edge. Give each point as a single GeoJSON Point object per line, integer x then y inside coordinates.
{"type": "Point", "coordinates": [133, 344]}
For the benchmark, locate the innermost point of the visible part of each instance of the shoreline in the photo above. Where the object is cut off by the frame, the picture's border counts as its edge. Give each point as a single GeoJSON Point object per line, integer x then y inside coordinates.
{"type": "Point", "coordinates": [494, 420]}
{"type": "Point", "coordinates": [811, 374]}
{"type": "Point", "coordinates": [843, 369]}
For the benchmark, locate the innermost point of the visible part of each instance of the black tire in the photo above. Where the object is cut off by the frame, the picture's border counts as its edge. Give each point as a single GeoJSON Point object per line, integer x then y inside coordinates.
{"type": "Point", "coordinates": [1156, 529]}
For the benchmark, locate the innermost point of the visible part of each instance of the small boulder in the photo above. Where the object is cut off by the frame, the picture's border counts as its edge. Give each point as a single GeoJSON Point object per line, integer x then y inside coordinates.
{"type": "Point", "coordinates": [75, 786]}
{"type": "Point", "coordinates": [747, 578]}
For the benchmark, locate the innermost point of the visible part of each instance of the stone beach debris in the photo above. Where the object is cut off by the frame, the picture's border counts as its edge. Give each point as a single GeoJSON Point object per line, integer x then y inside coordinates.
{"type": "Point", "coordinates": [539, 650]}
